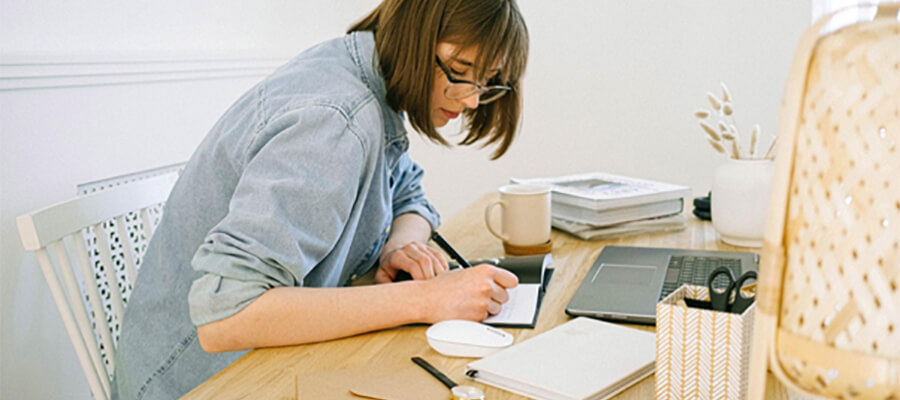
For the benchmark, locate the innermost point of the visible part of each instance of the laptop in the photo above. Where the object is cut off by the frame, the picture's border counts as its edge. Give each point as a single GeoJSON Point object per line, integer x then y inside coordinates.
{"type": "Point", "coordinates": [625, 283]}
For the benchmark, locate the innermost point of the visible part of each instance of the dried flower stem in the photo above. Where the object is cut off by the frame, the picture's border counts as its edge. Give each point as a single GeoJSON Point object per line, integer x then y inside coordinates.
{"type": "Point", "coordinates": [710, 131]}
{"type": "Point", "coordinates": [723, 128]}
{"type": "Point", "coordinates": [716, 145]}
{"type": "Point", "coordinates": [716, 103]}
{"type": "Point", "coordinates": [769, 152]}
{"type": "Point", "coordinates": [726, 95]}
{"type": "Point", "coordinates": [754, 138]}
{"type": "Point", "coordinates": [727, 131]}
{"type": "Point", "coordinates": [737, 135]}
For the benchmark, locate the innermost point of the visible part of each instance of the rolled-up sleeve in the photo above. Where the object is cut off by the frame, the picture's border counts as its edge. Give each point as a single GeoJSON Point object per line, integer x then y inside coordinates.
{"type": "Point", "coordinates": [288, 209]}
{"type": "Point", "coordinates": [408, 194]}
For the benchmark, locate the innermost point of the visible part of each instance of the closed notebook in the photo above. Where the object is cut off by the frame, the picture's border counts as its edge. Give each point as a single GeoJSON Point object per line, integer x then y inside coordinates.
{"type": "Point", "coordinates": [581, 359]}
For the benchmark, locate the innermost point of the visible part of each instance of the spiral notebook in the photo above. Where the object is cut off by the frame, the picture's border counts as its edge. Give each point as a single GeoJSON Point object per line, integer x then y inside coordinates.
{"type": "Point", "coordinates": [581, 359]}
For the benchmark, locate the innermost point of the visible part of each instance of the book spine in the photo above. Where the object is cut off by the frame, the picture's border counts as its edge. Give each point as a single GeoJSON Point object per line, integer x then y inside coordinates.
{"type": "Point", "coordinates": [617, 215]}
{"type": "Point", "coordinates": [564, 198]}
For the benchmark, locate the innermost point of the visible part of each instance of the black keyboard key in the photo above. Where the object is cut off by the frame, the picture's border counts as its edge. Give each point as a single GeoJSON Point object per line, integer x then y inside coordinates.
{"type": "Point", "coordinates": [694, 270]}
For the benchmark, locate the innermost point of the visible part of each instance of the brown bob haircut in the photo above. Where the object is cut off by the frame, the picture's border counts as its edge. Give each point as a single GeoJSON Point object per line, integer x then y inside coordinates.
{"type": "Point", "coordinates": [406, 37]}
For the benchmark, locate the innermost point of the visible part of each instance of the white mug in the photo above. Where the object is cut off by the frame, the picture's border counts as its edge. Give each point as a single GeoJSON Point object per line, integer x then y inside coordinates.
{"type": "Point", "coordinates": [525, 215]}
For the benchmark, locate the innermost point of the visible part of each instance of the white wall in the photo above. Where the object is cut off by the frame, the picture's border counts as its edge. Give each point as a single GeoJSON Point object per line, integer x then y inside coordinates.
{"type": "Point", "coordinates": [822, 7]}
{"type": "Point", "coordinates": [54, 138]}
{"type": "Point", "coordinates": [611, 86]}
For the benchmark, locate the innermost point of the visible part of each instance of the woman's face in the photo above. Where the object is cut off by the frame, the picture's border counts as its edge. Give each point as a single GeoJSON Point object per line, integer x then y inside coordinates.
{"type": "Point", "coordinates": [461, 66]}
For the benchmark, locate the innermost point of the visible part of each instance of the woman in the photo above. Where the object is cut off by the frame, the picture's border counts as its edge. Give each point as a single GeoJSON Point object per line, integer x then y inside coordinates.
{"type": "Point", "coordinates": [305, 183]}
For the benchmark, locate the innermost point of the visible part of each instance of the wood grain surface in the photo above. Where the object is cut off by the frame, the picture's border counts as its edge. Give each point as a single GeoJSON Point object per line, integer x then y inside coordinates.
{"type": "Point", "coordinates": [326, 370]}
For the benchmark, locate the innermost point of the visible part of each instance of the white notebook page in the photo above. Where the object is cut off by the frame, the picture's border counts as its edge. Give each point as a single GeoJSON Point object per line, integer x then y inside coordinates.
{"type": "Point", "coordinates": [520, 308]}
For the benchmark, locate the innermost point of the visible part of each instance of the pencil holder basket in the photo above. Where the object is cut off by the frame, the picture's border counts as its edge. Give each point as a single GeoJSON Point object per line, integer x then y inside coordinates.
{"type": "Point", "coordinates": [700, 353]}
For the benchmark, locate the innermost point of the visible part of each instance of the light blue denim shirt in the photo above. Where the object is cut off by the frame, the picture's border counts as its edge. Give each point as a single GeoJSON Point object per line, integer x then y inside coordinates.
{"type": "Point", "coordinates": [296, 185]}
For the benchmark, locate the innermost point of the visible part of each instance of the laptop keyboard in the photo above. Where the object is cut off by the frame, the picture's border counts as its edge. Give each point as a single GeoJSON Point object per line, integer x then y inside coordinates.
{"type": "Point", "coordinates": [694, 270]}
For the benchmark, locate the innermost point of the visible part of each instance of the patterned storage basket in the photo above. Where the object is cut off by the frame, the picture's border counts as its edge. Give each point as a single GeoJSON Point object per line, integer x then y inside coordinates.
{"type": "Point", "coordinates": [701, 354]}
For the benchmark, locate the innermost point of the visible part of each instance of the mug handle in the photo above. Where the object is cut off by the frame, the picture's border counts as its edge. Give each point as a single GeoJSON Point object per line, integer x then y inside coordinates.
{"type": "Point", "coordinates": [487, 219]}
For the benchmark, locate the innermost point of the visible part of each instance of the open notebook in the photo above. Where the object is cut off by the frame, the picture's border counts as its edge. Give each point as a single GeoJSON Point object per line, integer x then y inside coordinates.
{"type": "Point", "coordinates": [521, 311]}
{"type": "Point", "coordinates": [581, 359]}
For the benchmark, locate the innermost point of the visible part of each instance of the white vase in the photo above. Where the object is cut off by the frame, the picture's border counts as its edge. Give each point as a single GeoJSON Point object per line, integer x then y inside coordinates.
{"type": "Point", "coordinates": [740, 201]}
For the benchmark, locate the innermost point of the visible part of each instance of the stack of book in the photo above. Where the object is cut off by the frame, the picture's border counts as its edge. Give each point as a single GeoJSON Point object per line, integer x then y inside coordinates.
{"type": "Point", "coordinates": [600, 205]}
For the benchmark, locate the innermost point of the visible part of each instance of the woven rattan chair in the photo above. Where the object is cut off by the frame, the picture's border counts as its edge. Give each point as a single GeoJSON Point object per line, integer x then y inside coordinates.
{"type": "Point", "coordinates": [828, 322]}
{"type": "Point", "coordinates": [89, 249]}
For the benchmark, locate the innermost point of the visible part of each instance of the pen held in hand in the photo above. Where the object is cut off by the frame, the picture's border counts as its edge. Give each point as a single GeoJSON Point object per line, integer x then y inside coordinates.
{"type": "Point", "coordinates": [444, 245]}
{"type": "Point", "coordinates": [437, 238]}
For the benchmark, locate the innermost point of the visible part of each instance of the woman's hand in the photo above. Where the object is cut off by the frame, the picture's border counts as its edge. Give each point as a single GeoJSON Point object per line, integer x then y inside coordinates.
{"type": "Point", "coordinates": [415, 258]}
{"type": "Point", "coordinates": [472, 293]}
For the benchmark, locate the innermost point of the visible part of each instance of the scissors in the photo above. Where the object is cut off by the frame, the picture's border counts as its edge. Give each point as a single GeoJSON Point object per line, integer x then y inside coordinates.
{"type": "Point", "coordinates": [721, 299]}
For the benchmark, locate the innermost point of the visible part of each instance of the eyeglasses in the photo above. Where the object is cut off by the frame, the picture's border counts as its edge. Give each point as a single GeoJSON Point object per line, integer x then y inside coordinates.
{"type": "Point", "coordinates": [460, 89]}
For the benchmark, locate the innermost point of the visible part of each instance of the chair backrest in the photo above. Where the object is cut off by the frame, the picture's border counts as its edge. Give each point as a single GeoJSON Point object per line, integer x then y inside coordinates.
{"type": "Point", "coordinates": [89, 249]}
{"type": "Point", "coordinates": [828, 321]}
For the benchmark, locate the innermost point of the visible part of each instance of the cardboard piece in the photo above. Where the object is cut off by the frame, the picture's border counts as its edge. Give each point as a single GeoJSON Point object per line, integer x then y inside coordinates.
{"type": "Point", "coordinates": [407, 383]}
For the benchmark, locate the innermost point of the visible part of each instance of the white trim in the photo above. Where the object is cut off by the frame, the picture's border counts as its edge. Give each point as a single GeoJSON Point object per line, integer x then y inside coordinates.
{"type": "Point", "coordinates": [107, 183]}
{"type": "Point", "coordinates": [40, 73]}
{"type": "Point", "coordinates": [41, 227]}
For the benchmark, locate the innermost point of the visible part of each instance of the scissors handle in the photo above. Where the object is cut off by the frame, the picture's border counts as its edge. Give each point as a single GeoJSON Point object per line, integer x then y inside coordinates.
{"type": "Point", "coordinates": [719, 299]}
{"type": "Point", "coordinates": [740, 301]}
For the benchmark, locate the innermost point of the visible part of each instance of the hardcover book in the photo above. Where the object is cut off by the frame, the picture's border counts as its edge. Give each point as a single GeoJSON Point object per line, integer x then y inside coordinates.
{"type": "Point", "coordinates": [581, 359]}
{"type": "Point", "coordinates": [614, 216]}
{"type": "Point", "coordinates": [672, 223]}
{"type": "Point", "coordinates": [602, 191]}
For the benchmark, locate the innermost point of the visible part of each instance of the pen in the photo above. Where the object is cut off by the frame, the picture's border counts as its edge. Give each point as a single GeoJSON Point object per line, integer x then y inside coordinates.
{"type": "Point", "coordinates": [437, 238]}
{"type": "Point", "coordinates": [434, 372]}
{"type": "Point", "coordinates": [459, 392]}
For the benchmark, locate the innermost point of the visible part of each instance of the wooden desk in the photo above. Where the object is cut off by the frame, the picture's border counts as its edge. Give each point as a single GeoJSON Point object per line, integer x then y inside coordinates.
{"type": "Point", "coordinates": [272, 373]}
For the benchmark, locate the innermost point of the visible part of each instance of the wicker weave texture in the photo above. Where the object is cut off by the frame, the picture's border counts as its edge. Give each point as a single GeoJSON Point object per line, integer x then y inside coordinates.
{"type": "Point", "coordinates": [842, 236]}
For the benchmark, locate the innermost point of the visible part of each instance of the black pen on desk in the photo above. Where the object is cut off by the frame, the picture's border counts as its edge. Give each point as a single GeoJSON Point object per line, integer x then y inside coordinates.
{"type": "Point", "coordinates": [437, 238]}
{"type": "Point", "coordinates": [434, 372]}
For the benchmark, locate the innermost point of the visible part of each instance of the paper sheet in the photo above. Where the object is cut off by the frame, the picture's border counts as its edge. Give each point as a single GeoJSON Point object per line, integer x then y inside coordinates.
{"type": "Point", "coordinates": [520, 308]}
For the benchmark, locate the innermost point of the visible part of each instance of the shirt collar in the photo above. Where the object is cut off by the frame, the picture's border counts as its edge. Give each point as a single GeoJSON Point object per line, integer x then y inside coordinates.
{"type": "Point", "coordinates": [361, 45]}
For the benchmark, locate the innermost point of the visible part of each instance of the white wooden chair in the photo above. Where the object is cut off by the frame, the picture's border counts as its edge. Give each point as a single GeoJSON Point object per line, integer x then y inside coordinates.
{"type": "Point", "coordinates": [93, 244]}
{"type": "Point", "coordinates": [828, 316]}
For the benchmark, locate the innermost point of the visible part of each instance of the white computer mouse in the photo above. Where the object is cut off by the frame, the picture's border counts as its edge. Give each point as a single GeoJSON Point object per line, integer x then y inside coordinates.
{"type": "Point", "coordinates": [459, 338]}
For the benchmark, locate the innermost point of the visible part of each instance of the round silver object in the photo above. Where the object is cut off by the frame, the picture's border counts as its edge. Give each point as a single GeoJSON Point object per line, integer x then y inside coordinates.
{"type": "Point", "coordinates": [463, 392]}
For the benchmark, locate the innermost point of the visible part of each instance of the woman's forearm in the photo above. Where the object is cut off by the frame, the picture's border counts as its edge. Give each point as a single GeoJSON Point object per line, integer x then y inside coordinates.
{"type": "Point", "coordinates": [297, 315]}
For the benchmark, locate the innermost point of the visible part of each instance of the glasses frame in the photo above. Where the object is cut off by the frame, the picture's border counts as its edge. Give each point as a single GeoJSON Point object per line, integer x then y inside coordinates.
{"type": "Point", "coordinates": [479, 88]}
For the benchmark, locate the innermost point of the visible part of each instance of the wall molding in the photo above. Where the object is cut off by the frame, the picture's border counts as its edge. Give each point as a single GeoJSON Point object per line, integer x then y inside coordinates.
{"type": "Point", "coordinates": [38, 73]}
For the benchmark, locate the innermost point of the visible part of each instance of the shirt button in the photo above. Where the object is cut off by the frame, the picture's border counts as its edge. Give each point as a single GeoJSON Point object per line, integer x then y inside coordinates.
{"type": "Point", "coordinates": [353, 277]}
{"type": "Point", "coordinates": [387, 230]}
